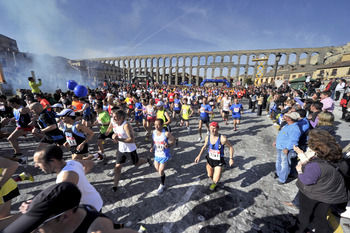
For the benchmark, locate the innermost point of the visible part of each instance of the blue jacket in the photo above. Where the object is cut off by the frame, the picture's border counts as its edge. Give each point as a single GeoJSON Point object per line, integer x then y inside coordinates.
{"type": "Point", "coordinates": [288, 136]}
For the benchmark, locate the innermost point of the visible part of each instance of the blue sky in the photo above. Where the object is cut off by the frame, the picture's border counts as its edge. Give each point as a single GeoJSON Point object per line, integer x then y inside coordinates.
{"type": "Point", "coordinates": [111, 28]}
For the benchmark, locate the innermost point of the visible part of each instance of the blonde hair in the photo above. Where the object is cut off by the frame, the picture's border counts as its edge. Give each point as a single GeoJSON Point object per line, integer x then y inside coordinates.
{"type": "Point", "coordinates": [325, 118]}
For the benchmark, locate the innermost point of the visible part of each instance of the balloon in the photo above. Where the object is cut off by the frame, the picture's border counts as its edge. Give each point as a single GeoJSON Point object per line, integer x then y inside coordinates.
{"type": "Point", "coordinates": [80, 91]}
{"type": "Point", "coordinates": [71, 84]}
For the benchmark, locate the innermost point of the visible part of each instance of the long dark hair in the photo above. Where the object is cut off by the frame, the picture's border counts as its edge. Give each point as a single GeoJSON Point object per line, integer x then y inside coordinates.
{"type": "Point", "coordinates": [325, 146]}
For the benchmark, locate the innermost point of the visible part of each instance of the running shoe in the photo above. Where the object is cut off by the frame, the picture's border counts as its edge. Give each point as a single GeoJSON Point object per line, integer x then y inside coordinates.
{"type": "Point", "coordinates": [160, 189]}
{"type": "Point", "coordinates": [213, 186]}
{"type": "Point", "coordinates": [110, 173]}
{"type": "Point", "coordinates": [142, 229]}
{"type": "Point", "coordinates": [26, 176]}
{"type": "Point", "coordinates": [149, 161]}
{"type": "Point", "coordinates": [199, 139]}
{"type": "Point", "coordinates": [23, 161]}
{"type": "Point", "coordinates": [99, 157]}
{"type": "Point", "coordinates": [176, 142]}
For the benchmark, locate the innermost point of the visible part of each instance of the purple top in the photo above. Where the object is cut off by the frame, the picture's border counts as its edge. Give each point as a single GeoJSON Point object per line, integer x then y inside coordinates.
{"type": "Point", "coordinates": [328, 104]}
{"type": "Point", "coordinates": [312, 172]}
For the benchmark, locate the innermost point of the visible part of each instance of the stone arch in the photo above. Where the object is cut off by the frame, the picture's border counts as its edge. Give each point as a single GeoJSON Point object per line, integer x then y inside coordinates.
{"type": "Point", "coordinates": [315, 58]}
{"type": "Point", "coordinates": [142, 63]}
{"type": "Point", "coordinates": [148, 62]}
{"type": "Point", "coordinates": [180, 61]}
{"type": "Point", "coordinates": [233, 72]}
{"type": "Point", "coordinates": [195, 61]}
{"type": "Point", "coordinates": [187, 61]}
{"type": "Point", "coordinates": [126, 62]}
{"type": "Point", "coordinates": [217, 72]}
{"type": "Point", "coordinates": [173, 61]}
{"type": "Point", "coordinates": [202, 61]}
{"type": "Point", "coordinates": [243, 59]}
{"type": "Point", "coordinates": [251, 70]}
{"type": "Point", "coordinates": [201, 72]}
{"type": "Point", "coordinates": [218, 59]}
{"type": "Point", "coordinates": [210, 60]}
{"type": "Point", "coordinates": [160, 62]}
{"type": "Point", "coordinates": [131, 63]}
{"type": "Point", "coordinates": [194, 71]}
{"type": "Point", "coordinates": [167, 62]}
{"type": "Point", "coordinates": [227, 58]}
{"type": "Point", "coordinates": [272, 59]}
{"type": "Point", "coordinates": [225, 72]}
{"type": "Point", "coordinates": [292, 59]}
{"type": "Point", "coordinates": [303, 58]}
{"type": "Point", "coordinates": [242, 71]}
{"type": "Point", "coordinates": [155, 62]}
{"type": "Point", "coordinates": [251, 57]}
{"type": "Point", "coordinates": [209, 73]}
{"type": "Point", "coordinates": [234, 59]}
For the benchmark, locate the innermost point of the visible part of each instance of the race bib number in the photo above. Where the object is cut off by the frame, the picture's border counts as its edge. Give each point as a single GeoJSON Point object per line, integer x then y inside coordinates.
{"type": "Point", "coordinates": [176, 105]}
{"type": "Point", "coordinates": [202, 110]}
{"type": "Point", "coordinates": [211, 103]}
{"type": "Point", "coordinates": [159, 149]}
{"type": "Point", "coordinates": [184, 111]}
{"type": "Point", "coordinates": [74, 107]}
{"type": "Point", "coordinates": [71, 140]}
{"type": "Point", "coordinates": [2, 108]}
{"type": "Point", "coordinates": [236, 109]}
{"type": "Point", "coordinates": [214, 154]}
{"type": "Point", "coordinates": [200, 101]}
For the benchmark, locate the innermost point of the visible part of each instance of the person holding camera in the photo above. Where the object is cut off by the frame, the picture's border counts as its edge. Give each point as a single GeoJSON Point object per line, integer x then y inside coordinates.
{"type": "Point", "coordinates": [34, 86]}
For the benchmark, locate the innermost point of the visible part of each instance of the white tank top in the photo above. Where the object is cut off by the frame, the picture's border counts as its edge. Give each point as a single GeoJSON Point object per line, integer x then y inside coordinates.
{"type": "Point", "coordinates": [150, 111]}
{"type": "Point", "coordinates": [89, 195]}
{"type": "Point", "coordinates": [123, 147]}
{"type": "Point", "coordinates": [226, 105]}
{"type": "Point", "coordinates": [159, 150]}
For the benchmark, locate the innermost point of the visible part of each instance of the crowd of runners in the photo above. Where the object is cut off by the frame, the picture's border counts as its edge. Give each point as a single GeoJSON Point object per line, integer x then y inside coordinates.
{"type": "Point", "coordinates": [65, 122]}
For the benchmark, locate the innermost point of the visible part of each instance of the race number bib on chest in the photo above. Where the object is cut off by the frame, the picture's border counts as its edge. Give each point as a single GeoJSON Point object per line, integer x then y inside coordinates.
{"type": "Point", "coordinates": [70, 139]}
{"type": "Point", "coordinates": [202, 110]}
{"type": "Point", "coordinates": [236, 109]}
{"type": "Point", "coordinates": [214, 154]}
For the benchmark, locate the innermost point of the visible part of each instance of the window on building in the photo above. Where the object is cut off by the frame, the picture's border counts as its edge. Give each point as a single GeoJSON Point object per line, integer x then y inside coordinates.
{"type": "Point", "coordinates": [334, 72]}
{"type": "Point", "coordinates": [321, 72]}
{"type": "Point", "coordinates": [293, 77]}
{"type": "Point", "coordinates": [300, 75]}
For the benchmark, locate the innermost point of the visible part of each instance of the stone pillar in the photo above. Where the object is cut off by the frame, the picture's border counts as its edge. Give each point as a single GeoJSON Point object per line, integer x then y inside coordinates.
{"type": "Point", "coordinates": [287, 59]}
{"type": "Point", "coordinates": [320, 58]}
{"type": "Point", "coordinates": [308, 59]}
{"type": "Point", "coordinates": [190, 81]}
{"type": "Point", "coordinates": [297, 59]}
{"type": "Point", "coordinates": [237, 70]}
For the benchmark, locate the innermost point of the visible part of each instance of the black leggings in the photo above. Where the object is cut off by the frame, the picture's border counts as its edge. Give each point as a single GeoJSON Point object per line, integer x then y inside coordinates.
{"type": "Point", "coordinates": [309, 210]}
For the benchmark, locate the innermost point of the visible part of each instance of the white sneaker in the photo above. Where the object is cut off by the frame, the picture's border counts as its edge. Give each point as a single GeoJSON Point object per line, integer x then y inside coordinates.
{"type": "Point", "coordinates": [208, 132]}
{"type": "Point", "coordinates": [160, 189]}
{"type": "Point", "coordinates": [99, 157]}
{"type": "Point", "coordinates": [199, 139]}
{"type": "Point", "coordinates": [110, 173]}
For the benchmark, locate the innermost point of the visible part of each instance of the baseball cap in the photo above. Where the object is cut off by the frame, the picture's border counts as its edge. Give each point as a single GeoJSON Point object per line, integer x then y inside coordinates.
{"type": "Point", "coordinates": [54, 200]}
{"type": "Point", "coordinates": [66, 112]}
{"type": "Point", "coordinates": [160, 104]}
{"type": "Point", "coordinates": [57, 105]}
{"type": "Point", "coordinates": [215, 124]}
{"type": "Point", "coordinates": [293, 115]}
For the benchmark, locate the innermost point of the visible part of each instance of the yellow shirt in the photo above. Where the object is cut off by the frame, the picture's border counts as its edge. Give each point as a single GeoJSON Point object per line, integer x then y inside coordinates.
{"type": "Point", "coordinates": [35, 86]}
{"type": "Point", "coordinates": [185, 112]}
{"type": "Point", "coordinates": [8, 187]}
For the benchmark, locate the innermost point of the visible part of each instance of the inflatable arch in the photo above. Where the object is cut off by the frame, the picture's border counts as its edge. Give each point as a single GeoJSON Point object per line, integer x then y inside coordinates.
{"type": "Point", "coordinates": [216, 81]}
{"type": "Point", "coordinates": [142, 77]}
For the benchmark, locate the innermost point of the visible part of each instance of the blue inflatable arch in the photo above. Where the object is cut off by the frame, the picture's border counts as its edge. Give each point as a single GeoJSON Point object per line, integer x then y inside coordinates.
{"type": "Point", "coordinates": [215, 81]}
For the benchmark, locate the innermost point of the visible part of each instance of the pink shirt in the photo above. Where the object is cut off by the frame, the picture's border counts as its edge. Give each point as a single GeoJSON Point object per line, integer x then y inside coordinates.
{"type": "Point", "coordinates": [328, 104]}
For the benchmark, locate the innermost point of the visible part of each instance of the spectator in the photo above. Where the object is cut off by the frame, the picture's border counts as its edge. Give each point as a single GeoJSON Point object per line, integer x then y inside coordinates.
{"type": "Point", "coordinates": [34, 86]}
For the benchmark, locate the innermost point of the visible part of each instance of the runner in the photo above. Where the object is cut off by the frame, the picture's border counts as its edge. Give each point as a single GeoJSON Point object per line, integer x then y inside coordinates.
{"type": "Point", "coordinates": [138, 112]}
{"type": "Point", "coordinates": [215, 143]}
{"type": "Point", "coordinates": [22, 118]}
{"type": "Point", "coordinates": [86, 112]}
{"type": "Point", "coordinates": [160, 145]}
{"type": "Point", "coordinates": [124, 135]}
{"type": "Point", "coordinates": [237, 110]}
{"type": "Point", "coordinates": [103, 121]}
{"type": "Point", "coordinates": [162, 114]}
{"type": "Point", "coordinates": [204, 111]}
{"type": "Point", "coordinates": [77, 135]}
{"type": "Point", "coordinates": [151, 117]}
{"type": "Point", "coordinates": [187, 112]}
{"type": "Point", "coordinates": [225, 103]}
{"type": "Point", "coordinates": [177, 107]}
{"type": "Point", "coordinates": [46, 126]}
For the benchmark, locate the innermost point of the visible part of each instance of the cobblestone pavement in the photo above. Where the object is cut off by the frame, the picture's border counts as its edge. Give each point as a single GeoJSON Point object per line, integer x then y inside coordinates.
{"type": "Point", "coordinates": [248, 198]}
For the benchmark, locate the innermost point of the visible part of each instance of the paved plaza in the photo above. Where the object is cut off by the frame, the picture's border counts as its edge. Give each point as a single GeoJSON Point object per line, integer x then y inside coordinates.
{"type": "Point", "coordinates": [248, 198]}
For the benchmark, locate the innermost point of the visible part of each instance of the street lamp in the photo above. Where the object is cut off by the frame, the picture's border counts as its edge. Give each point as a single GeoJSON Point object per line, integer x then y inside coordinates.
{"type": "Point", "coordinates": [278, 58]}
